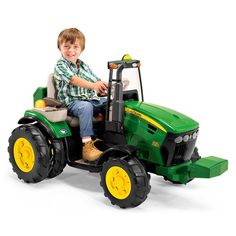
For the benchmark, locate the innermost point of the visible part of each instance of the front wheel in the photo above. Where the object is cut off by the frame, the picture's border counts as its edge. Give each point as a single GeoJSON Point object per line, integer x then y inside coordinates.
{"type": "Point", "coordinates": [125, 182]}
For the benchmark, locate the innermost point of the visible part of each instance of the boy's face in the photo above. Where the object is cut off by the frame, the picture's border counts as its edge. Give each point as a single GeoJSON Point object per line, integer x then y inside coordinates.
{"type": "Point", "coordinates": [71, 51]}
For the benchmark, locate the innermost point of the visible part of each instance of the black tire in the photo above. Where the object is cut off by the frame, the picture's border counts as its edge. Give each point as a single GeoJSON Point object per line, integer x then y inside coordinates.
{"type": "Point", "coordinates": [139, 181]}
{"type": "Point", "coordinates": [58, 158]}
{"type": "Point", "coordinates": [34, 140]}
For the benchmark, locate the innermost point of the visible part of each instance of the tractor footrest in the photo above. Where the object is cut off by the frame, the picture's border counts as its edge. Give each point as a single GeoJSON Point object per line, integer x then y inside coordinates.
{"type": "Point", "coordinates": [90, 166]}
{"type": "Point", "coordinates": [208, 167]}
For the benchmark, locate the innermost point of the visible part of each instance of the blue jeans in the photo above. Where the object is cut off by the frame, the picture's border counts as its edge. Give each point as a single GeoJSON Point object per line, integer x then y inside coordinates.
{"type": "Point", "coordinates": [85, 110]}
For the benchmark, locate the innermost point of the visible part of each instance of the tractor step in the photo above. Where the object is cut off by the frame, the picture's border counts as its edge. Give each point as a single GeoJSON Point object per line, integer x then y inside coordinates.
{"type": "Point", "coordinates": [85, 165]}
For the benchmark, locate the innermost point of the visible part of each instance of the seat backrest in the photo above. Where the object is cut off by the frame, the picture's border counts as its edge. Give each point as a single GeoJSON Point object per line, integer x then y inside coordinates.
{"type": "Point", "coordinates": [51, 88]}
{"type": "Point", "coordinates": [51, 93]}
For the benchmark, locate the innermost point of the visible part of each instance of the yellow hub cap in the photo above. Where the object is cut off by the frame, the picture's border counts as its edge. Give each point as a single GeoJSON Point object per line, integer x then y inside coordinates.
{"type": "Point", "coordinates": [118, 182]}
{"type": "Point", "coordinates": [24, 154]}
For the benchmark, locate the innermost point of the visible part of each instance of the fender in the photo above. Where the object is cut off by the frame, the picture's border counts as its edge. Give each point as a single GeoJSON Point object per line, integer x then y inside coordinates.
{"type": "Point", "coordinates": [118, 151]}
{"type": "Point", "coordinates": [55, 129]}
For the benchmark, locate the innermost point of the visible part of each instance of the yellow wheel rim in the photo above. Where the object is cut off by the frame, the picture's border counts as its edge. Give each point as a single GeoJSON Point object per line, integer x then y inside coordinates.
{"type": "Point", "coordinates": [24, 154]}
{"type": "Point", "coordinates": [118, 182]}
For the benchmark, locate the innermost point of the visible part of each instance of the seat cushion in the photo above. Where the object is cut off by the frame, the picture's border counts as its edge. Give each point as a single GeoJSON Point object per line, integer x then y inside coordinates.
{"type": "Point", "coordinates": [52, 102]}
{"type": "Point", "coordinates": [53, 114]}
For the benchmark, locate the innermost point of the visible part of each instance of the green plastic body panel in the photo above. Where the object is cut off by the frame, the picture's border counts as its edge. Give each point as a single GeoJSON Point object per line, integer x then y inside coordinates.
{"type": "Point", "coordinates": [208, 167]}
{"type": "Point", "coordinates": [59, 129]}
{"type": "Point", "coordinates": [40, 93]}
{"type": "Point", "coordinates": [138, 134]}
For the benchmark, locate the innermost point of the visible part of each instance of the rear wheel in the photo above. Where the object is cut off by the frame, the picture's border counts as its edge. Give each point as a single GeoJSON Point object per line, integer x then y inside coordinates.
{"type": "Point", "coordinates": [125, 182]}
{"type": "Point", "coordinates": [29, 154]}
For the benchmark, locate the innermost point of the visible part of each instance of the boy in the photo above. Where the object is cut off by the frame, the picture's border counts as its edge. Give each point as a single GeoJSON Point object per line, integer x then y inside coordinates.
{"type": "Point", "coordinates": [77, 87]}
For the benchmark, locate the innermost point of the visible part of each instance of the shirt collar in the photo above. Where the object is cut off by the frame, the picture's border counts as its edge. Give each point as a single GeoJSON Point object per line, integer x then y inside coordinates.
{"type": "Point", "coordinates": [78, 62]}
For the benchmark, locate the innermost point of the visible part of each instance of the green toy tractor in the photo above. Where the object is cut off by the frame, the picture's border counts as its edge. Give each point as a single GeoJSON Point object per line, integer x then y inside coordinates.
{"type": "Point", "coordinates": [137, 138]}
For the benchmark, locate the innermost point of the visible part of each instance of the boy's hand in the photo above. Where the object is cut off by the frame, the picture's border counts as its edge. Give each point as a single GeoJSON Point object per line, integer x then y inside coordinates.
{"type": "Point", "coordinates": [100, 87]}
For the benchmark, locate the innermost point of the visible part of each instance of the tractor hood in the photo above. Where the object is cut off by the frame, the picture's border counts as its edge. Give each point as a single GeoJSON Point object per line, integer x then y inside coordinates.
{"type": "Point", "coordinates": [164, 118]}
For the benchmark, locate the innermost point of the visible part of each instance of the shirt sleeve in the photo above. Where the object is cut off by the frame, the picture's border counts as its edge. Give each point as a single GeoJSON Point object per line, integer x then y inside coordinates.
{"type": "Point", "coordinates": [63, 70]}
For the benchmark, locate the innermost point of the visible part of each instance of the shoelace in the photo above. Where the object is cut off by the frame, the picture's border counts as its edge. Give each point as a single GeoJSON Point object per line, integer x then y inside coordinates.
{"type": "Point", "coordinates": [91, 143]}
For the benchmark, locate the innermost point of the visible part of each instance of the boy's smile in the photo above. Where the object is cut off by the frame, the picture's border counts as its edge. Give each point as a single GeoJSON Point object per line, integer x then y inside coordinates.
{"type": "Point", "coordinates": [71, 51]}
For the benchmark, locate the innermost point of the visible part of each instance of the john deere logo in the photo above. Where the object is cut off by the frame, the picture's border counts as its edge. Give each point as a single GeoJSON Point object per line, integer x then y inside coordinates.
{"type": "Point", "coordinates": [63, 131]}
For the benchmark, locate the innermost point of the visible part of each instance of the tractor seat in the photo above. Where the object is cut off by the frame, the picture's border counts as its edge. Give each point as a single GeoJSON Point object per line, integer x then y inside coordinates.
{"type": "Point", "coordinates": [51, 101]}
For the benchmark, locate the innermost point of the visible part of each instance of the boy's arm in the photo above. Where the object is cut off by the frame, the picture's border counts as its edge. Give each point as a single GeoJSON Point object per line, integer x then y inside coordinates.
{"type": "Point", "coordinates": [99, 86]}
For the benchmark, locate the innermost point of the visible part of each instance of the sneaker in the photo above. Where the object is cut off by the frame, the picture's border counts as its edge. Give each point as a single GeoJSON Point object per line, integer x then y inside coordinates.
{"type": "Point", "coordinates": [90, 152]}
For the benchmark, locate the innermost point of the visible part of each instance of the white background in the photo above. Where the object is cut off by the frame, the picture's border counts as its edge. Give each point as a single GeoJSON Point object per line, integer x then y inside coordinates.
{"type": "Point", "coordinates": [188, 55]}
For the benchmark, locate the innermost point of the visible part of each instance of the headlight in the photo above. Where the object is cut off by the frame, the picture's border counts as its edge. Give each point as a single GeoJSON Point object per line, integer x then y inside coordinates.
{"type": "Point", "coordinates": [178, 139]}
{"type": "Point", "coordinates": [194, 135]}
{"type": "Point", "coordinates": [186, 138]}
